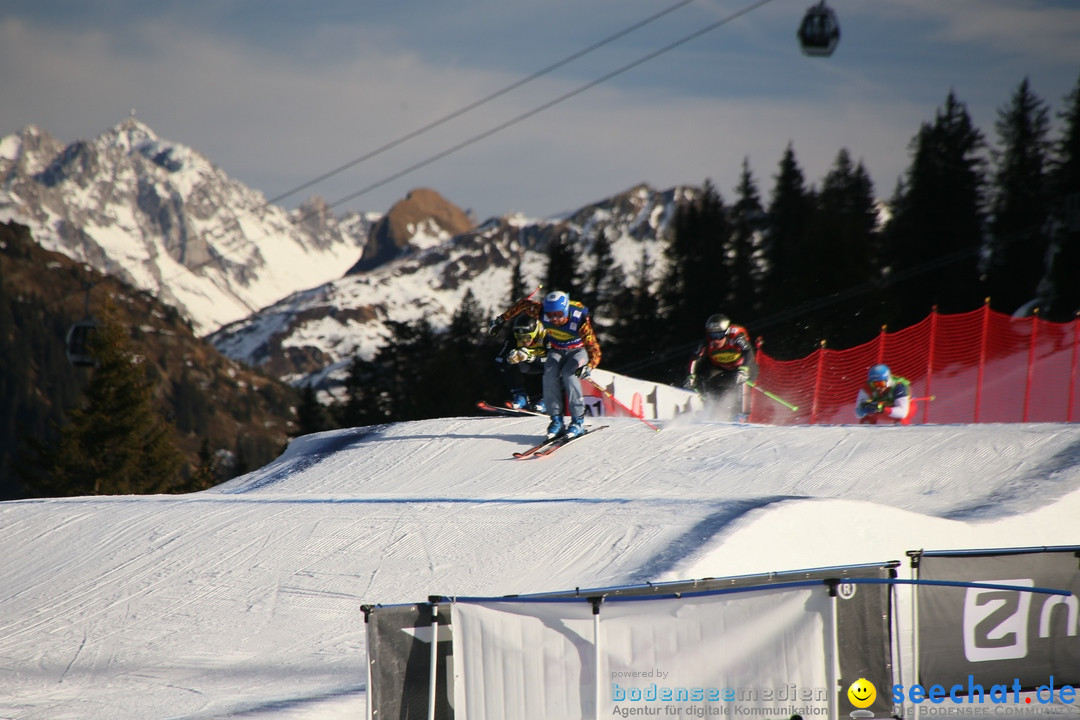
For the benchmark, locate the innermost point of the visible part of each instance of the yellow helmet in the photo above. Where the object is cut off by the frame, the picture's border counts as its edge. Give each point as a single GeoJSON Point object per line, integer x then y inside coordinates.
{"type": "Point", "coordinates": [528, 331]}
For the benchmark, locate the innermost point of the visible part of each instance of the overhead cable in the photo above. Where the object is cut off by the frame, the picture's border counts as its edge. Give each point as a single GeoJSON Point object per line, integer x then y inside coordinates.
{"type": "Point", "coordinates": [549, 104]}
{"type": "Point", "coordinates": [482, 101]}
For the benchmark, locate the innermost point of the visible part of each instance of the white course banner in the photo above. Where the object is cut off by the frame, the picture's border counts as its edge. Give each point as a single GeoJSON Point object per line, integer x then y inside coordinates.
{"type": "Point", "coordinates": [765, 652]}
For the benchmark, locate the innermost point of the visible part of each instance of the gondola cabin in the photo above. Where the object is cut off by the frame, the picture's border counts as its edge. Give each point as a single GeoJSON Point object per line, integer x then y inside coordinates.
{"type": "Point", "coordinates": [78, 339]}
{"type": "Point", "coordinates": [819, 32]}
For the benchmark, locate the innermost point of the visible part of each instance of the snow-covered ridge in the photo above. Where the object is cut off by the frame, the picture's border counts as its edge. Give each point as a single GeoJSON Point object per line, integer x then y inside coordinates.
{"type": "Point", "coordinates": [346, 317]}
{"type": "Point", "coordinates": [266, 284]}
{"type": "Point", "coordinates": [164, 218]}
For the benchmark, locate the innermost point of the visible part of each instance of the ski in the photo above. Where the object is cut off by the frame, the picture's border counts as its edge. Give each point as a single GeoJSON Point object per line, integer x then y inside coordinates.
{"type": "Point", "coordinates": [551, 445]}
{"type": "Point", "coordinates": [537, 448]}
{"type": "Point", "coordinates": [504, 410]}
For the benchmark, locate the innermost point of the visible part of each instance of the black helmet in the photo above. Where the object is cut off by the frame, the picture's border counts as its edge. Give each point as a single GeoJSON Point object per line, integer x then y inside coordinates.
{"type": "Point", "coordinates": [717, 325]}
{"type": "Point", "coordinates": [527, 330]}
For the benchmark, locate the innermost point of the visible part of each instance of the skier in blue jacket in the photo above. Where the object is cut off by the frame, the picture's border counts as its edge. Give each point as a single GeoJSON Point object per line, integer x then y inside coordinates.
{"type": "Point", "coordinates": [572, 353]}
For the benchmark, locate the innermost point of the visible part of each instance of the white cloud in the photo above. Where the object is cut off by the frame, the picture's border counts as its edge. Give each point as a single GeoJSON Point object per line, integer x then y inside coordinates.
{"type": "Point", "coordinates": [276, 110]}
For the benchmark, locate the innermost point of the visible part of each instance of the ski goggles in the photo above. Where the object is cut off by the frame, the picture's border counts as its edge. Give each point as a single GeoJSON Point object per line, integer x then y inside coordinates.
{"type": "Point", "coordinates": [558, 317]}
{"type": "Point", "coordinates": [879, 384]}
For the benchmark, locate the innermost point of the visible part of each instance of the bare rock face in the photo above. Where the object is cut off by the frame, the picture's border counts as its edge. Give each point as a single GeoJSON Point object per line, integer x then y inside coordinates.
{"type": "Point", "coordinates": [423, 219]}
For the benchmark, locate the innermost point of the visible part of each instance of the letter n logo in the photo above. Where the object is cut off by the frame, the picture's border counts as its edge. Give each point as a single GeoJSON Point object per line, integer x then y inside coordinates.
{"type": "Point", "coordinates": [996, 622]}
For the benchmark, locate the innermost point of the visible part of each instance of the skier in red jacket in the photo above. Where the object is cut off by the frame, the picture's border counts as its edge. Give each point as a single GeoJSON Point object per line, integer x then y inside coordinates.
{"type": "Point", "coordinates": [724, 362]}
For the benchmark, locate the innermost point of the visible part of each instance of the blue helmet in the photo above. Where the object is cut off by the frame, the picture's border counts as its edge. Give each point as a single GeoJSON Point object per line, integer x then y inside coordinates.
{"type": "Point", "coordinates": [556, 305]}
{"type": "Point", "coordinates": [879, 373]}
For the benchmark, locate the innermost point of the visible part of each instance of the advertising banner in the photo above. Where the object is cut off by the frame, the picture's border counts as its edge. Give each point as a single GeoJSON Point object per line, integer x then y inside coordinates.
{"type": "Point", "coordinates": [762, 652]}
{"type": "Point", "coordinates": [984, 636]}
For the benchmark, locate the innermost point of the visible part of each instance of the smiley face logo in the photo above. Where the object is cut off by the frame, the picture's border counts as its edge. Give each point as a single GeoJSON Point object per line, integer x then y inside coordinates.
{"type": "Point", "coordinates": [862, 693]}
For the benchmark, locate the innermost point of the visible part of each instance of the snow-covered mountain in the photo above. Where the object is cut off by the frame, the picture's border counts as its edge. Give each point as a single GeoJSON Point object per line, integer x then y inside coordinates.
{"type": "Point", "coordinates": [163, 218]}
{"type": "Point", "coordinates": [296, 293]}
{"type": "Point", "coordinates": [318, 331]}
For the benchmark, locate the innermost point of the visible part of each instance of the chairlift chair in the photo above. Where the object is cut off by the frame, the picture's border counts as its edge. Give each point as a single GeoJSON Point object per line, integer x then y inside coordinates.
{"type": "Point", "coordinates": [819, 32]}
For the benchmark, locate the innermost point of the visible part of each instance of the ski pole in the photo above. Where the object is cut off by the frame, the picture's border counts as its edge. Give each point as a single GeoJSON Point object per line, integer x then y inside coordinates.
{"type": "Point", "coordinates": [612, 398]}
{"type": "Point", "coordinates": [769, 395]}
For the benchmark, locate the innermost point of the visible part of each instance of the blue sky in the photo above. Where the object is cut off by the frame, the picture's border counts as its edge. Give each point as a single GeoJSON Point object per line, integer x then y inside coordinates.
{"type": "Point", "coordinates": [278, 93]}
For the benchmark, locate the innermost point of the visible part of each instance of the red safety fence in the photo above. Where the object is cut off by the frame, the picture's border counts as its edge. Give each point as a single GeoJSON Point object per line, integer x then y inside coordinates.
{"type": "Point", "coordinates": [976, 367]}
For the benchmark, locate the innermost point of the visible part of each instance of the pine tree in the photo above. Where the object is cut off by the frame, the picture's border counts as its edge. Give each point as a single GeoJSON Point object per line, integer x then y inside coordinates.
{"type": "Point", "coordinates": [698, 280]}
{"type": "Point", "coordinates": [192, 409]}
{"type": "Point", "coordinates": [786, 251]}
{"type": "Point", "coordinates": [748, 221]}
{"type": "Point", "coordinates": [563, 264]}
{"type": "Point", "coordinates": [361, 404]}
{"type": "Point", "coordinates": [841, 262]}
{"type": "Point", "coordinates": [409, 380]}
{"type": "Point", "coordinates": [635, 329]}
{"type": "Point", "coordinates": [1020, 235]}
{"type": "Point", "coordinates": [517, 284]}
{"type": "Point", "coordinates": [205, 475]}
{"type": "Point", "coordinates": [466, 356]}
{"type": "Point", "coordinates": [116, 442]}
{"type": "Point", "coordinates": [603, 282]}
{"type": "Point", "coordinates": [311, 415]}
{"type": "Point", "coordinates": [1065, 184]}
{"type": "Point", "coordinates": [934, 238]}
{"type": "Point", "coordinates": [37, 382]}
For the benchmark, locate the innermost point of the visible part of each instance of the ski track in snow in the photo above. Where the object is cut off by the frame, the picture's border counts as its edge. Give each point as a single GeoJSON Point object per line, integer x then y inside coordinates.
{"type": "Point", "coordinates": [244, 600]}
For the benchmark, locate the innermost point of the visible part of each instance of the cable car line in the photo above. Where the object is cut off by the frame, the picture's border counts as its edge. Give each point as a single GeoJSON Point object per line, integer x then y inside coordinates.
{"type": "Point", "coordinates": [430, 126]}
{"type": "Point", "coordinates": [513, 121]}
{"type": "Point", "coordinates": [551, 103]}
{"type": "Point", "coordinates": [482, 101]}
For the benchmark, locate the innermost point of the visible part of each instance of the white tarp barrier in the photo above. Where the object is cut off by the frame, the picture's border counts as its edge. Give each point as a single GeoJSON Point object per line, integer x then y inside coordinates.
{"type": "Point", "coordinates": [637, 398]}
{"type": "Point", "coordinates": [770, 650]}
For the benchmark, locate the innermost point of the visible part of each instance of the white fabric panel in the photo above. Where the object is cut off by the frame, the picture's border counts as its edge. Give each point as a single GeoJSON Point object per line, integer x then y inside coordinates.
{"type": "Point", "coordinates": [523, 660]}
{"type": "Point", "coordinates": [535, 660]}
{"type": "Point", "coordinates": [738, 645]}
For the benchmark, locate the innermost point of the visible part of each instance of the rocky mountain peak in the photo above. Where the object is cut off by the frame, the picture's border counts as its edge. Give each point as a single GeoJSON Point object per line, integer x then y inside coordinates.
{"type": "Point", "coordinates": [129, 134]}
{"type": "Point", "coordinates": [160, 216]}
{"type": "Point", "coordinates": [423, 219]}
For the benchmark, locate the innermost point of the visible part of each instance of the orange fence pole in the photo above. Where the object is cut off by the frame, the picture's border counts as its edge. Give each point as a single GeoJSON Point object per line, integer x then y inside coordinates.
{"type": "Point", "coordinates": [1032, 338]}
{"type": "Point", "coordinates": [982, 359]}
{"type": "Point", "coordinates": [818, 380]}
{"type": "Point", "coordinates": [930, 362]}
{"type": "Point", "coordinates": [1072, 374]}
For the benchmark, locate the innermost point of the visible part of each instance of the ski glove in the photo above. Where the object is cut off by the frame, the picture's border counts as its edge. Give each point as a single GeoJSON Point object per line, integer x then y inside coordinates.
{"type": "Point", "coordinates": [870, 406]}
{"type": "Point", "coordinates": [742, 376]}
{"type": "Point", "coordinates": [690, 382]}
{"type": "Point", "coordinates": [495, 325]}
{"type": "Point", "coordinates": [517, 355]}
{"type": "Point", "coordinates": [583, 372]}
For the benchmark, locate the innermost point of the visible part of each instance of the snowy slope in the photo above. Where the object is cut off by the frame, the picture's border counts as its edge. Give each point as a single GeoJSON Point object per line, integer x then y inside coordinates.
{"type": "Point", "coordinates": [244, 601]}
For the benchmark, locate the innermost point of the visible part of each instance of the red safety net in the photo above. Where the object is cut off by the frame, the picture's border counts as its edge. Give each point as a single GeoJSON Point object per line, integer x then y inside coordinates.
{"type": "Point", "coordinates": [976, 367]}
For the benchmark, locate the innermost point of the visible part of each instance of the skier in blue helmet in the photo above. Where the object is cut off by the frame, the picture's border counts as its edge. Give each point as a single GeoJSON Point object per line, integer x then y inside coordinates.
{"type": "Point", "coordinates": [572, 353]}
{"type": "Point", "coordinates": [884, 398]}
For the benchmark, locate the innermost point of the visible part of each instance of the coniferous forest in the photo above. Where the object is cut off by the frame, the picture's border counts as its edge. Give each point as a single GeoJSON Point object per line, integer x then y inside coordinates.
{"type": "Point", "coordinates": [975, 218]}
{"type": "Point", "coordinates": [978, 216]}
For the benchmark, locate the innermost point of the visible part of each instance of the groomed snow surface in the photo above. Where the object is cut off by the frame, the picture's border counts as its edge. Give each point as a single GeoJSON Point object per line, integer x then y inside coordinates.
{"type": "Point", "coordinates": [244, 601]}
